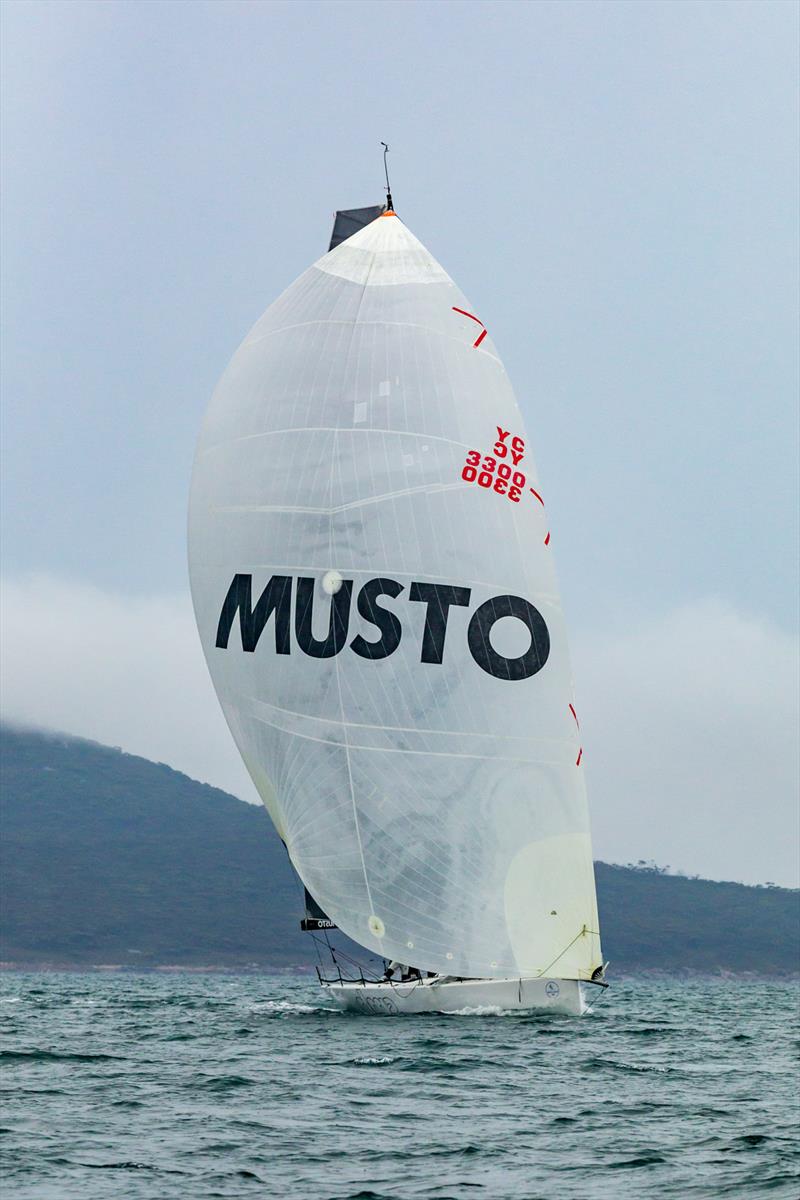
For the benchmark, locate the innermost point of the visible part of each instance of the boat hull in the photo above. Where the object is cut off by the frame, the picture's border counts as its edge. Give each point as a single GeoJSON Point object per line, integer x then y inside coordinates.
{"type": "Point", "coordinates": [389, 999]}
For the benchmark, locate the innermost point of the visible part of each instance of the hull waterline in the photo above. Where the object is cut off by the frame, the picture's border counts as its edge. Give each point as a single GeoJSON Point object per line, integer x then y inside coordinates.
{"type": "Point", "coordinates": [388, 999]}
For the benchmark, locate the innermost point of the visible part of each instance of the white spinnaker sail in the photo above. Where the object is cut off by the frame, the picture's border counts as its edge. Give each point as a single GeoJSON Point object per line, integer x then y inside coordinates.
{"type": "Point", "coordinates": [429, 789]}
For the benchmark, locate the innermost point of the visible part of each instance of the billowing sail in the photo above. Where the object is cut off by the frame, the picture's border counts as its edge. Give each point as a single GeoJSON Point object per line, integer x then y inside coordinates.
{"type": "Point", "coordinates": [373, 583]}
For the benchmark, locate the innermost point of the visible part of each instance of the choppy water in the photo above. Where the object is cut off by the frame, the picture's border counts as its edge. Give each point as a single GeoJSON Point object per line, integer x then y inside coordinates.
{"type": "Point", "coordinates": [155, 1086]}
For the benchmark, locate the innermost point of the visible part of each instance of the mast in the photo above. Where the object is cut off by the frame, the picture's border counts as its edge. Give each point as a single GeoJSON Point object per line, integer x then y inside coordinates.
{"type": "Point", "coordinates": [389, 204]}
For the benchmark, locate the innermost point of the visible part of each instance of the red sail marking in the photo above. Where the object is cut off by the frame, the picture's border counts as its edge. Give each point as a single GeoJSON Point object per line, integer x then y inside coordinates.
{"type": "Point", "coordinates": [472, 317]}
{"type": "Point", "coordinates": [577, 722]}
{"type": "Point", "coordinates": [541, 501]}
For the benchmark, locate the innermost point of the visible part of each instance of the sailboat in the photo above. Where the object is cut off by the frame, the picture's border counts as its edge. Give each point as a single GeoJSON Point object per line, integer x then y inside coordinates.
{"type": "Point", "coordinates": [372, 576]}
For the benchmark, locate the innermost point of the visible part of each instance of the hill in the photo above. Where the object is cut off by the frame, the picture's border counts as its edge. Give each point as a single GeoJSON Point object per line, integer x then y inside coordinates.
{"type": "Point", "coordinates": [109, 858]}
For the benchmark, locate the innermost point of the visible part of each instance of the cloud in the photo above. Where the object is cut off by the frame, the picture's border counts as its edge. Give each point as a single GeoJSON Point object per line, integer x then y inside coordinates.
{"type": "Point", "coordinates": [127, 671]}
{"type": "Point", "coordinates": [689, 719]}
{"type": "Point", "coordinates": [691, 725]}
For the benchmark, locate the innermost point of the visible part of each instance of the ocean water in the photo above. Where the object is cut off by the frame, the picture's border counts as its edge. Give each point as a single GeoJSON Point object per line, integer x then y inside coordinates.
{"type": "Point", "coordinates": [196, 1086]}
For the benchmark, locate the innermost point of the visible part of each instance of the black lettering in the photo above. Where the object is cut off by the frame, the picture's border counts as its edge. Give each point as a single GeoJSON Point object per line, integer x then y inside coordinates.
{"type": "Point", "coordinates": [484, 653]}
{"type": "Point", "coordinates": [387, 622]}
{"type": "Point", "coordinates": [276, 598]}
{"type": "Point", "coordinates": [338, 621]}
{"type": "Point", "coordinates": [438, 597]}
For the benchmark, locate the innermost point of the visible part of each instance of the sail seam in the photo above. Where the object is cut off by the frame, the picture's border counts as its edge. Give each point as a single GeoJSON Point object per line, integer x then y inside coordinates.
{"type": "Point", "coordinates": [429, 489]}
{"type": "Point", "coordinates": [407, 728]}
{"type": "Point", "coordinates": [336, 659]}
{"type": "Point", "coordinates": [544, 598]}
{"type": "Point", "coordinates": [410, 433]}
{"type": "Point", "coordinates": [262, 337]}
{"type": "Point", "coordinates": [551, 762]}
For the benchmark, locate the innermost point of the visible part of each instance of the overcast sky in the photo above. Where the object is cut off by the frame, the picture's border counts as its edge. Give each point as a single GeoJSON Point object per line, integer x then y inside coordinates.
{"type": "Point", "coordinates": [614, 186]}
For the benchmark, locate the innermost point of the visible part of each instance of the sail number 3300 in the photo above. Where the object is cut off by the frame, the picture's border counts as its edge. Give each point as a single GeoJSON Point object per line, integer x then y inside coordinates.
{"type": "Point", "coordinates": [498, 471]}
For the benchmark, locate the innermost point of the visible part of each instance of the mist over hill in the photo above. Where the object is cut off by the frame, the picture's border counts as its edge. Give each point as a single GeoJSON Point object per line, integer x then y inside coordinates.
{"type": "Point", "coordinates": [107, 858]}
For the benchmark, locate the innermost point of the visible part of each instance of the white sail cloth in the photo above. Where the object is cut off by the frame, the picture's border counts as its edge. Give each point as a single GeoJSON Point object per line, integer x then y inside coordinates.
{"type": "Point", "coordinates": [429, 789]}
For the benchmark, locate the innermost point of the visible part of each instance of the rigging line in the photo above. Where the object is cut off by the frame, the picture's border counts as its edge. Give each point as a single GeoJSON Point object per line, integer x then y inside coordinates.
{"type": "Point", "coordinates": [411, 984]}
{"type": "Point", "coordinates": [590, 1008]}
{"type": "Point", "coordinates": [354, 962]}
{"type": "Point", "coordinates": [317, 943]}
{"type": "Point", "coordinates": [301, 887]}
{"type": "Point", "coordinates": [584, 930]}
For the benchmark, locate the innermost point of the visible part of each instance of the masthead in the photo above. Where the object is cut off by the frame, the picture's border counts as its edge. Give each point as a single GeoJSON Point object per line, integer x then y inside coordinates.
{"type": "Point", "coordinates": [389, 205]}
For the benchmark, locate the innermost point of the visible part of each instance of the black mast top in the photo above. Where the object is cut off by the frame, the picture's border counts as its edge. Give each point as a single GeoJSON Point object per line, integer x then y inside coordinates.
{"type": "Point", "coordinates": [389, 205]}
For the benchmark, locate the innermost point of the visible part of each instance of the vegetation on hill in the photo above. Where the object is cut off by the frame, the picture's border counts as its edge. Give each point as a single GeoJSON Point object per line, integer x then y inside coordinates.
{"type": "Point", "coordinates": [108, 858]}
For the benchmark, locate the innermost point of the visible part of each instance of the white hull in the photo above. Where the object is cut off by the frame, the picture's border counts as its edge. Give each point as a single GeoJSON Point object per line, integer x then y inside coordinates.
{"type": "Point", "coordinates": [389, 999]}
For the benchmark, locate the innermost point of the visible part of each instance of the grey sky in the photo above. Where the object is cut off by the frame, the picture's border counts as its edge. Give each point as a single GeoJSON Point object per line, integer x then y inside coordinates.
{"type": "Point", "coordinates": [614, 185]}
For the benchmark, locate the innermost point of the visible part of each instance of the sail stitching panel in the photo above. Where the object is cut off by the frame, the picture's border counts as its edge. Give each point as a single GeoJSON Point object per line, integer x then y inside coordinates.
{"type": "Point", "coordinates": [292, 759]}
{"type": "Point", "coordinates": [388, 324]}
{"type": "Point", "coordinates": [249, 437]}
{"type": "Point", "coordinates": [426, 488]}
{"type": "Point", "coordinates": [508, 758]}
{"type": "Point", "coordinates": [353, 332]}
{"type": "Point", "coordinates": [515, 522]}
{"type": "Point", "coordinates": [412, 917]}
{"type": "Point", "coordinates": [473, 733]}
{"type": "Point", "coordinates": [408, 915]}
{"type": "Point", "coordinates": [322, 366]}
{"type": "Point", "coordinates": [476, 712]}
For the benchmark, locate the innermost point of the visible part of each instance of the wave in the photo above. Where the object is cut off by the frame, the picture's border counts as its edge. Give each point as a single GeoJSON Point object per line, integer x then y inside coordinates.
{"type": "Point", "coordinates": [51, 1056]}
{"type": "Point", "coordinates": [223, 1083]}
{"type": "Point", "coordinates": [126, 1165]}
{"type": "Point", "coordinates": [481, 1010]}
{"type": "Point", "coordinates": [608, 1064]}
{"type": "Point", "coordinates": [643, 1160]}
{"type": "Point", "coordinates": [290, 1008]}
{"type": "Point", "coordinates": [431, 1109]}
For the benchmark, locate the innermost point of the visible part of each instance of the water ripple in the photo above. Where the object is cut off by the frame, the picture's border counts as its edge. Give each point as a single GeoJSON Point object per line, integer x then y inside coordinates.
{"type": "Point", "coordinates": [231, 1087]}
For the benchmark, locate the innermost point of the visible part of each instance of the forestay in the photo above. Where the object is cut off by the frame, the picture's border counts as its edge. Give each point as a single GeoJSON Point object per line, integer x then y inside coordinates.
{"type": "Point", "coordinates": [373, 582]}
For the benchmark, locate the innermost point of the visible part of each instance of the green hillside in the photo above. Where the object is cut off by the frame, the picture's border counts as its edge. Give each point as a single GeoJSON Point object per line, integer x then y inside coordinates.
{"type": "Point", "coordinates": [108, 858]}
